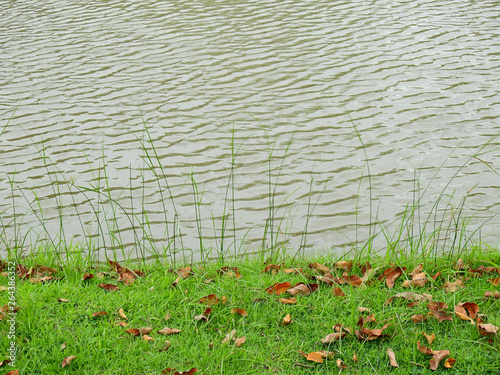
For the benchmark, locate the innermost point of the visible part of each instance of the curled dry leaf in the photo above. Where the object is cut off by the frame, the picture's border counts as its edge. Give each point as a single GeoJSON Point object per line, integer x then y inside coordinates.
{"type": "Point", "coordinates": [115, 266]}
{"type": "Point", "coordinates": [239, 341]}
{"type": "Point", "coordinates": [176, 282]}
{"type": "Point", "coordinates": [423, 349]}
{"type": "Point", "coordinates": [353, 280]}
{"type": "Point", "coordinates": [437, 306]}
{"type": "Point", "coordinates": [411, 297]}
{"type": "Point", "coordinates": [278, 288]}
{"type": "Point", "coordinates": [239, 311]}
{"type": "Point", "coordinates": [184, 272]}
{"type": "Point", "coordinates": [368, 319]}
{"type": "Point", "coordinates": [495, 281]}
{"type": "Point", "coordinates": [289, 301]}
{"type": "Point", "coordinates": [108, 287]}
{"type": "Point", "coordinates": [304, 289]}
{"type": "Point", "coordinates": [487, 329]}
{"type": "Point", "coordinates": [495, 294]}
{"type": "Point", "coordinates": [441, 316]}
{"type": "Point", "coordinates": [437, 357]}
{"type": "Point", "coordinates": [287, 320]}
{"type": "Point", "coordinates": [366, 334]}
{"type": "Point", "coordinates": [392, 357]}
{"type": "Point", "coordinates": [340, 364]}
{"type": "Point", "coordinates": [320, 268]}
{"type": "Point", "coordinates": [66, 361]}
{"type": "Point", "coordinates": [453, 287]}
{"type": "Point", "coordinates": [467, 310]}
{"type": "Point", "coordinates": [121, 314]}
{"type": "Point", "coordinates": [169, 331]}
{"type": "Point", "coordinates": [391, 275]}
{"type": "Point", "coordinates": [430, 338]}
{"type": "Point", "coordinates": [127, 277]}
{"type": "Point", "coordinates": [419, 279]}
{"type": "Point", "coordinates": [100, 313]}
{"type": "Point", "coordinates": [332, 337]}
{"type": "Point", "coordinates": [205, 315]}
{"type": "Point", "coordinates": [328, 279]}
{"type": "Point", "coordinates": [336, 291]}
{"type": "Point", "coordinates": [449, 362]}
{"type": "Point", "coordinates": [418, 318]}
{"type": "Point", "coordinates": [460, 265]}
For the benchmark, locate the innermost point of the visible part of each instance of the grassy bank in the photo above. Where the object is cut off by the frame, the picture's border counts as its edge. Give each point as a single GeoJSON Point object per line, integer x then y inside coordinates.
{"type": "Point", "coordinates": [108, 319]}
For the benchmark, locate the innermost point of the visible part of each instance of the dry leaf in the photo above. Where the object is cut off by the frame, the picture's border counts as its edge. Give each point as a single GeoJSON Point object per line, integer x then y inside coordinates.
{"type": "Point", "coordinates": [100, 313]}
{"type": "Point", "coordinates": [343, 265]}
{"type": "Point", "coordinates": [172, 371]}
{"type": "Point", "coordinates": [366, 334]}
{"type": "Point", "coordinates": [438, 356]}
{"type": "Point", "coordinates": [460, 265]}
{"type": "Point", "coordinates": [108, 287]}
{"type": "Point", "coordinates": [147, 338]}
{"type": "Point", "coordinates": [340, 364]}
{"type": "Point", "coordinates": [169, 331]}
{"type": "Point", "coordinates": [63, 300]}
{"type": "Point", "coordinates": [495, 294]}
{"type": "Point", "coordinates": [320, 267]}
{"type": "Point", "coordinates": [145, 330]}
{"type": "Point", "coordinates": [133, 331]}
{"type": "Point", "coordinates": [166, 347]}
{"type": "Point", "coordinates": [391, 275]}
{"type": "Point", "coordinates": [353, 280]}
{"type": "Point", "coordinates": [495, 281]}
{"type": "Point", "coordinates": [66, 361]}
{"type": "Point", "coordinates": [205, 315]}
{"type": "Point", "coordinates": [304, 289]}
{"type": "Point", "coordinates": [239, 311]}
{"type": "Point", "coordinates": [430, 338]}
{"type": "Point", "coordinates": [411, 297]}
{"type": "Point", "coordinates": [184, 272]}
{"type": "Point", "coordinates": [121, 313]}
{"type": "Point", "coordinates": [418, 318]}
{"type": "Point", "coordinates": [453, 287]}
{"type": "Point", "coordinates": [123, 324]}
{"type": "Point", "coordinates": [288, 301]}
{"type": "Point", "coordinates": [449, 362]}
{"type": "Point", "coordinates": [274, 268]}
{"type": "Point", "coordinates": [487, 329]}
{"type": "Point", "coordinates": [115, 266]}
{"type": "Point", "coordinates": [355, 358]}
{"type": "Point", "coordinates": [441, 316]}
{"type": "Point", "coordinates": [278, 288]}
{"type": "Point", "coordinates": [229, 336]}
{"type": "Point", "coordinates": [239, 341]}
{"type": "Point", "coordinates": [167, 317]}
{"type": "Point", "coordinates": [392, 357]}
{"type": "Point", "coordinates": [211, 299]}
{"type": "Point", "coordinates": [332, 337]}
{"type": "Point", "coordinates": [336, 291]}
{"type": "Point", "coordinates": [229, 272]}
{"type": "Point", "coordinates": [287, 320]}
{"type": "Point", "coordinates": [63, 346]}
{"type": "Point", "coordinates": [423, 349]}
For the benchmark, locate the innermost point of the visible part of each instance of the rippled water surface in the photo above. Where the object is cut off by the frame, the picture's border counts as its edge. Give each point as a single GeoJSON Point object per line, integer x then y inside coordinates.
{"type": "Point", "coordinates": [288, 84]}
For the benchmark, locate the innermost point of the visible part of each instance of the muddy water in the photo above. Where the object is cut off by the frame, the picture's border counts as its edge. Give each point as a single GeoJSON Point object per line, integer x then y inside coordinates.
{"type": "Point", "coordinates": [100, 94]}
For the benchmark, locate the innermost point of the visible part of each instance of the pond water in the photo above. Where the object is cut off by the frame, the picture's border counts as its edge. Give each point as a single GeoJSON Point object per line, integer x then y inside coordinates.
{"type": "Point", "coordinates": [297, 117]}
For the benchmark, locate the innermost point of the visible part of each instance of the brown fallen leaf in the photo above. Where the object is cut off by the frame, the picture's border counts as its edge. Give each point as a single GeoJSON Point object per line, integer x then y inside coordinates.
{"type": "Point", "coordinates": [100, 313]}
{"type": "Point", "coordinates": [287, 320]}
{"type": "Point", "coordinates": [366, 334]}
{"type": "Point", "coordinates": [368, 319]}
{"type": "Point", "coordinates": [441, 316]}
{"type": "Point", "coordinates": [167, 317]}
{"type": "Point", "coordinates": [205, 315]}
{"type": "Point", "coordinates": [147, 338]}
{"type": "Point", "coordinates": [39, 280]}
{"type": "Point", "coordinates": [169, 331]}
{"type": "Point", "coordinates": [495, 294]}
{"type": "Point", "coordinates": [176, 282]}
{"type": "Point", "coordinates": [211, 299]}
{"type": "Point", "coordinates": [229, 336]}
{"type": "Point", "coordinates": [460, 265]}
{"type": "Point", "coordinates": [340, 364]}
{"type": "Point", "coordinates": [13, 372]}
{"type": "Point", "coordinates": [437, 357]}
{"type": "Point", "coordinates": [145, 330]}
{"type": "Point", "coordinates": [353, 280]}
{"type": "Point", "coordinates": [229, 272]}
{"type": "Point", "coordinates": [343, 265]}
{"type": "Point", "coordinates": [391, 275]}
{"type": "Point", "coordinates": [418, 318]}
{"type": "Point", "coordinates": [133, 331]}
{"type": "Point", "coordinates": [336, 291]}
{"type": "Point", "coordinates": [166, 347]}
{"type": "Point", "coordinates": [449, 362]}
{"type": "Point", "coordinates": [293, 270]}
{"type": "Point", "coordinates": [184, 272]}
{"type": "Point", "coordinates": [278, 288]}
{"type": "Point", "coordinates": [487, 329]}
{"type": "Point", "coordinates": [304, 289]}
{"type": "Point", "coordinates": [239, 311]}
{"type": "Point", "coordinates": [273, 268]}
{"type": "Point", "coordinates": [328, 279]}
{"type": "Point", "coordinates": [115, 266]}
{"type": "Point", "coordinates": [108, 287]}
{"type": "Point", "coordinates": [437, 306]}
{"type": "Point", "coordinates": [63, 346]}
{"type": "Point", "coordinates": [62, 300]}
{"type": "Point", "coordinates": [423, 349]}
{"type": "Point", "coordinates": [66, 361]}
{"type": "Point", "coordinates": [172, 371]}
{"type": "Point", "coordinates": [123, 324]}
{"type": "Point", "coordinates": [495, 281]}
{"type": "Point", "coordinates": [467, 310]}
{"type": "Point", "coordinates": [126, 276]}
{"type": "Point", "coordinates": [392, 357]}
{"type": "Point", "coordinates": [121, 314]}
{"type": "Point", "coordinates": [430, 338]}
{"type": "Point", "coordinates": [320, 268]}
{"type": "Point", "coordinates": [355, 358]}
{"type": "Point", "coordinates": [317, 356]}
{"type": "Point", "coordinates": [419, 279]}
{"type": "Point", "coordinates": [410, 296]}
{"type": "Point", "coordinates": [332, 337]}
{"type": "Point", "coordinates": [453, 287]}
{"type": "Point", "coordinates": [239, 341]}
{"type": "Point", "coordinates": [288, 301]}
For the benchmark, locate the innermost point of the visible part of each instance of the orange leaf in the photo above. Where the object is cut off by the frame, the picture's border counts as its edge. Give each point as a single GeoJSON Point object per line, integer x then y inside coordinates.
{"type": "Point", "coordinates": [278, 288]}
{"type": "Point", "coordinates": [147, 338]}
{"type": "Point", "coordinates": [340, 364]}
{"type": "Point", "coordinates": [239, 311]}
{"type": "Point", "coordinates": [87, 276]}
{"type": "Point", "coordinates": [133, 331]}
{"type": "Point", "coordinates": [430, 338]}
{"type": "Point", "coordinates": [66, 361]}
{"type": "Point", "coordinates": [344, 265]}
{"type": "Point", "coordinates": [288, 301]}
{"type": "Point", "coordinates": [169, 331]}
{"type": "Point", "coordinates": [495, 281]}
{"type": "Point", "coordinates": [353, 280]}
{"type": "Point", "coordinates": [392, 357]}
{"type": "Point", "coordinates": [320, 268]}
{"type": "Point", "coordinates": [423, 349]}
{"type": "Point", "coordinates": [211, 299]}
{"type": "Point", "coordinates": [100, 313]}
{"type": "Point", "coordinates": [239, 341]}
{"type": "Point", "coordinates": [108, 287]}
{"type": "Point", "coordinates": [332, 337]}
{"type": "Point", "coordinates": [287, 320]}
{"type": "Point", "coordinates": [449, 362]}
{"type": "Point", "coordinates": [336, 291]}
{"type": "Point", "coordinates": [438, 356]}
{"type": "Point", "coordinates": [315, 357]}
{"type": "Point", "coordinates": [418, 318]}
{"type": "Point", "coordinates": [274, 268]}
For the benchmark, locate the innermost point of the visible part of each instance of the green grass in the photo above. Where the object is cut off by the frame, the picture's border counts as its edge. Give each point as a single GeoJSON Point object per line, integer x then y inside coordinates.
{"type": "Point", "coordinates": [43, 324]}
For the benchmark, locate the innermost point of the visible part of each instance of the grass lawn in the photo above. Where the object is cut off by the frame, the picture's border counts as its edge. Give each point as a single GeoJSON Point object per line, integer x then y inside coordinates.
{"type": "Point", "coordinates": [244, 320]}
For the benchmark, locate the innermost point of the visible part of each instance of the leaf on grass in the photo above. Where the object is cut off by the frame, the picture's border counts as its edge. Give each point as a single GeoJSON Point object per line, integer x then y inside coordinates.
{"type": "Point", "coordinates": [229, 336]}
{"type": "Point", "coordinates": [63, 346]}
{"type": "Point", "coordinates": [495, 281]}
{"type": "Point", "coordinates": [123, 324]}
{"type": "Point", "coordinates": [332, 337]}
{"type": "Point", "coordinates": [115, 266]}
{"type": "Point", "coordinates": [288, 301]}
{"type": "Point", "coordinates": [449, 362]}
{"type": "Point", "coordinates": [418, 318]}
{"type": "Point", "coordinates": [145, 330]}
{"type": "Point", "coordinates": [304, 289]}
{"type": "Point", "coordinates": [419, 279]}
{"type": "Point", "coordinates": [205, 315]}
{"type": "Point", "coordinates": [487, 329]}
{"type": "Point", "coordinates": [391, 275]}
{"type": "Point", "coordinates": [410, 296]}
{"type": "Point", "coordinates": [317, 356]}
{"type": "Point", "coordinates": [172, 371]}
{"type": "Point", "coordinates": [320, 268]}
{"type": "Point", "coordinates": [169, 331]}
{"type": "Point", "coordinates": [167, 317]}
{"type": "Point", "coordinates": [100, 313]}
{"type": "Point", "coordinates": [184, 272]}
{"type": "Point", "coordinates": [366, 334]}
{"type": "Point", "coordinates": [287, 320]}
{"type": "Point", "coordinates": [430, 338]}
{"type": "Point", "coordinates": [121, 314]}
{"type": "Point", "coordinates": [441, 316]}
{"type": "Point", "coordinates": [336, 291]}
{"type": "Point", "coordinates": [340, 364]}
{"type": "Point", "coordinates": [437, 306]}
{"type": "Point", "coordinates": [108, 287]}
{"type": "Point", "coordinates": [239, 341]}
{"type": "Point", "coordinates": [62, 300]}
{"type": "Point", "coordinates": [343, 265]}
{"type": "Point", "coordinates": [239, 311]}
{"type": "Point", "coordinates": [293, 270]}
{"type": "Point", "coordinates": [467, 310]}
{"type": "Point", "coordinates": [209, 300]}
{"type": "Point", "coordinates": [39, 280]}
{"type": "Point", "coordinates": [273, 268]}
{"type": "Point", "coordinates": [353, 280]}
{"type": "Point", "coordinates": [437, 357]}
{"type": "Point", "coordinates": [176, 282]}
{"type": "Point", "coordinates": [278, 288]}
{"type": "Point", "coordinates": [328, 279]}
{"type": "Point", "coordinates": [423, 349]}
{"type": "Point", "coordinates": [66, 361]}
{"type": "Point", "coordinates": [495, 294]}
{"type": "Point", "coordinates": [133, 331]}
{"type": "Point", "coordinates": [460, 265]}
{"type": "Point", "coordinates": [452, 287]}
{"type": "Point", "coordinates": [126, 276]}
{"type": "Point", "coordinates": [13, 372]}
{"type": "Point", "coordinates": [355, 358]}
{"type": "Point", "coordinates": [392, 357]}
{"type": "Point", "coordinates": [147, 338]}
{"type": "Point", "coordinates": [229, 272]}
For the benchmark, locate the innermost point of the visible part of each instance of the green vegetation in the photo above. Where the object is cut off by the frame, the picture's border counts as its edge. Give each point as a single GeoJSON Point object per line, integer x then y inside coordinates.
{"type": "Point", "coordinates": [57, 308]}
